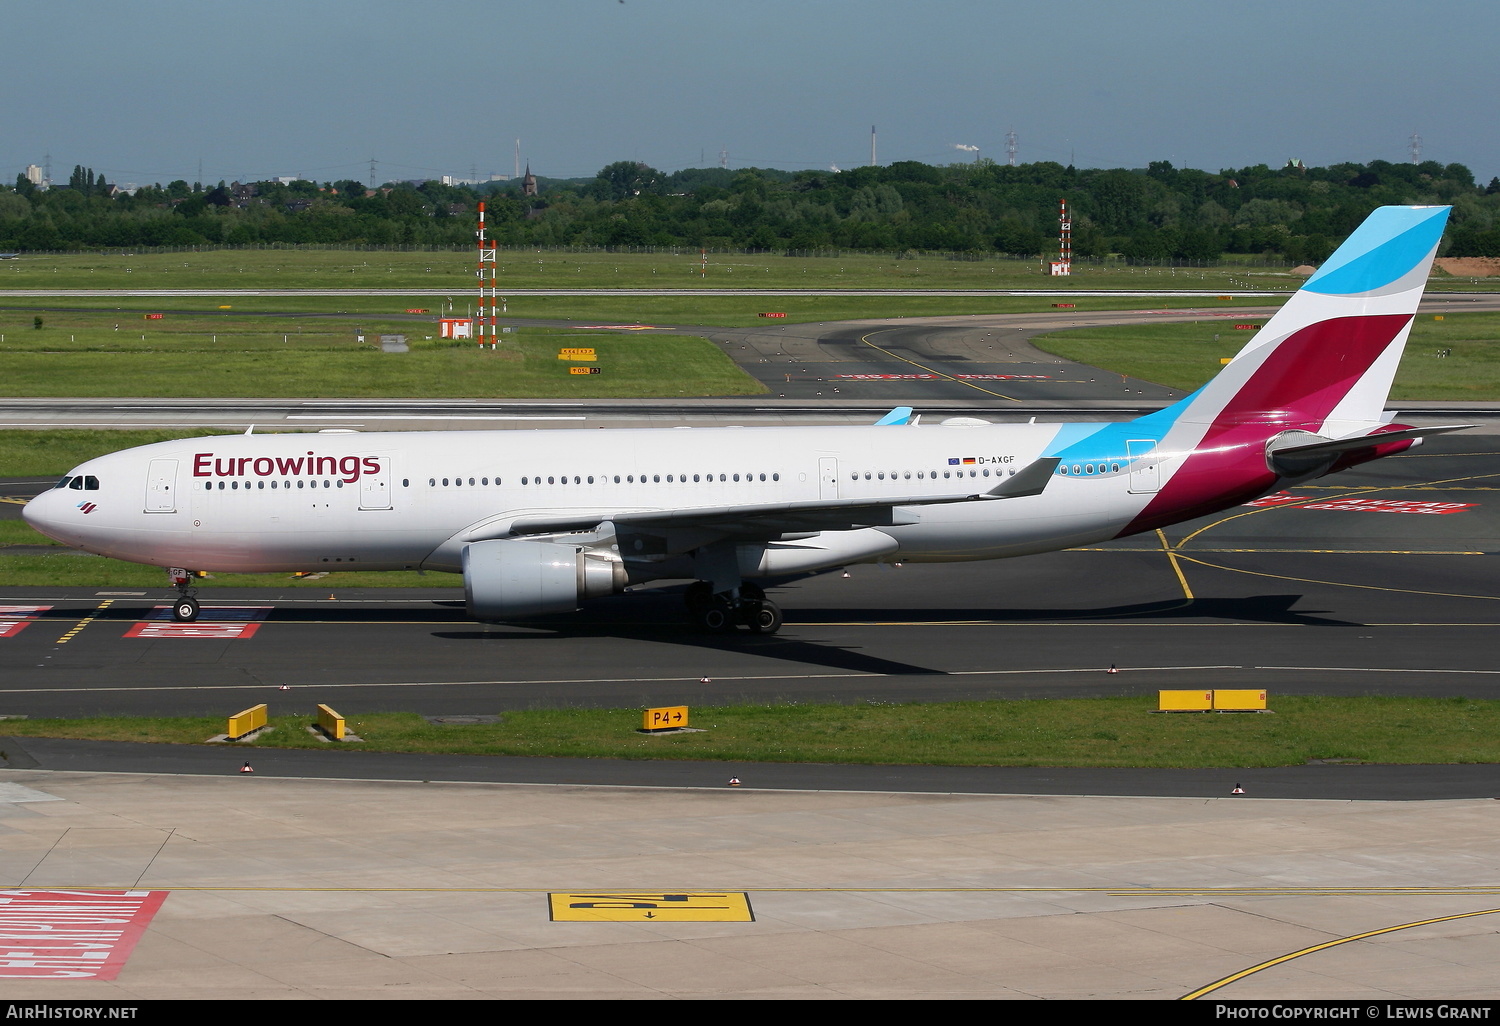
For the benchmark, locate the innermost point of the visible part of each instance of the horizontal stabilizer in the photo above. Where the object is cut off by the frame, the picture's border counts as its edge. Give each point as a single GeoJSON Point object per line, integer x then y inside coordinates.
{"type": "Point", "coordinates": [1336, 445]}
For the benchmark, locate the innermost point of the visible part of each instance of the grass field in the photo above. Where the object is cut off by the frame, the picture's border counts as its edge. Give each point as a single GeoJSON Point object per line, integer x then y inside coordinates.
{"type": "Point", "coordinates": [1456, 358]}
{"type": "Point", "coordinates": [313, 268]}
{"type": "Point", "coordinates": [1102, 732]}
{"type": "Point", "coordinates": [85, 354]}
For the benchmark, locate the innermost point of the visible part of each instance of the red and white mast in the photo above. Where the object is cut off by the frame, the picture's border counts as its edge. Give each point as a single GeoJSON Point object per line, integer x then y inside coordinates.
{"type": "Point", "coordinates": [1064, 240]}
{"type": "Point", "coordinates": [485, 329]}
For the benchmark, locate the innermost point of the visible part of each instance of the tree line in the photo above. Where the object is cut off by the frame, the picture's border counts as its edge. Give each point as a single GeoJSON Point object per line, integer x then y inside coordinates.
{"type": "Point", "coordinates": [1157, 214]}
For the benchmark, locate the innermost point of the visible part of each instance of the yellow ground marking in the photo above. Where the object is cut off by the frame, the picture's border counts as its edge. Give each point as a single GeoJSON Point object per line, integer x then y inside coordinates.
{"type": "Point", "coordinates": [650, 907]}
{"type": "Point", "coordinates": [85, 622]}
{"type": "Point", "coordinates": [1348, 493]}
{"type": "Point", "coordinates": [1334, 584]}
{"type": "Point", "coordinates": [1172, 559]}
{"type": "Point", "coordinates": [19, 500]}
{"type": "Point", "coordinates": [1194, 994]}
{"type": "Point", "coordinates": [946, 377]}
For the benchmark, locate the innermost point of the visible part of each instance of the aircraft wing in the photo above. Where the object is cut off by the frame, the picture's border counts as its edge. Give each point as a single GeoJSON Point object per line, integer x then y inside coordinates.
{"type": "Point", "coordinates": [761, 519]}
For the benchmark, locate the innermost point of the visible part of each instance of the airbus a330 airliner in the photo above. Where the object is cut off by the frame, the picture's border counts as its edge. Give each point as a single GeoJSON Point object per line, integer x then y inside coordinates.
{"type": "Point", "coordinates": [537, 521]}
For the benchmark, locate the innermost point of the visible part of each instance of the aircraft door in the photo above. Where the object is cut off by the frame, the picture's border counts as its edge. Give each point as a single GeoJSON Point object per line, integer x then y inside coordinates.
{"type": "Point", "coordinates": [161, 487]}
{"type": "Point", "coordinates": [828, 477]}
{"type": "Point", "coordinates": [375, 489]}
{"type": "Point", "coordinates": [1144, 474]}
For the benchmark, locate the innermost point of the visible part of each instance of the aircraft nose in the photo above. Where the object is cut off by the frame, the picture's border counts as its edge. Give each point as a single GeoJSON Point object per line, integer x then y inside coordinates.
{"type": "Point", "coordinates": [44, 514]}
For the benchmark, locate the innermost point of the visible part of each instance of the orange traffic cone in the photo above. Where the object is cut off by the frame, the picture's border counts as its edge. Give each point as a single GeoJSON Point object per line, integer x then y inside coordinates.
{"type": "Point", "coordinates": [1237, 790]}
{"type": "Point", "coordinates": [247, 768]}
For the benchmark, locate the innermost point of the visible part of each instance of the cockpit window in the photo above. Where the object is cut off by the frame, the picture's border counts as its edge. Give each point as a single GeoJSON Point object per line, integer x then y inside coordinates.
{"type": "Point", "coordinates": [77, 484]}
{"type": "Point", "coordinates": [63, 483]}
{"type": "Point", "coordinates": [90, 483]}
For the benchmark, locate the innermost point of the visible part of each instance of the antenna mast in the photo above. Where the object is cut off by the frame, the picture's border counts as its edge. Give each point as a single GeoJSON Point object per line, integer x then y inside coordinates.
{"type": "Point", "coordinates": [484, 319]}
{"type": "Point", "coordinates": [1415, 146]}
{"type": "Point", "coordinates": [1063, 265]}
{"type": "Point", "coordinates": [872, 145]}
{"type": "Point", "coordinates": [1010, 147]}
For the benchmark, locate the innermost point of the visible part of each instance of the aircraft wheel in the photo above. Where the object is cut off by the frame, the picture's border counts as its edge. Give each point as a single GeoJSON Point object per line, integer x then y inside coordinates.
{"type": "Point", "coordinates": [186, 610]}
{"type": "Point", "coordinates": [716, 617]}
{"type": "Point", "coordinates": [764, 618]}
{"type": "Point", "coordinates": [698, 596]}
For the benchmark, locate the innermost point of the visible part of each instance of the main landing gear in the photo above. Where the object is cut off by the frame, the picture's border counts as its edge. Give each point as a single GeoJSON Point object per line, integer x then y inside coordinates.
{"type": "Point", "coordinates": [721, 613]}
{"type": "Point", "coordinates": [185, 609]}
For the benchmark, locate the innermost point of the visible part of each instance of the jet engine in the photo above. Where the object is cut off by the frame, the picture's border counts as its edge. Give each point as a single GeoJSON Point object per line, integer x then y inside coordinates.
{"type": "Point", "coordinates": [511, 579]}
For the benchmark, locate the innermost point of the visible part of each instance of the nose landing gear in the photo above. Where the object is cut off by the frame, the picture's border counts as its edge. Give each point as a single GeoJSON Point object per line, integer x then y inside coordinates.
{"type": "Point", "coordinates": [723, 612]}
{"type": "Point", "coordinates": [185, 609]}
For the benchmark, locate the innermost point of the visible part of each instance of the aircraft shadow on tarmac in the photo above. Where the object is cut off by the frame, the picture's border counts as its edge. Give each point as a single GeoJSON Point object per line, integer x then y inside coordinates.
{"type": "Point", "coordinates": [665, 626]}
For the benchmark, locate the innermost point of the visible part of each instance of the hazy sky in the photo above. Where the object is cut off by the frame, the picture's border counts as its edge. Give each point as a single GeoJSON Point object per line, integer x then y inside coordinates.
{"type": "Point", "coordinates": [144, 90]}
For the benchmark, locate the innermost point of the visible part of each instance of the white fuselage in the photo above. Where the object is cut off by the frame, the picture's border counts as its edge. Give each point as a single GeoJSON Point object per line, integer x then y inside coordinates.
{"type": "Point", "coordinates": [386, 501]}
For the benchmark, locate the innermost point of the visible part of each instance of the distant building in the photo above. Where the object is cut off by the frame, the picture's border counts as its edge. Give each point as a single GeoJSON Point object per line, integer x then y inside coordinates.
{"type": "Point", "coordinates": [35, 176]}
{"type": "Point", "coordinates": [528, 183]}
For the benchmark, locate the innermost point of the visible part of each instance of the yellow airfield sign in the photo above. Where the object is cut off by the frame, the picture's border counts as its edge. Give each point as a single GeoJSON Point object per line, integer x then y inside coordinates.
{"type": "Point", "coordinates": [651, 907]}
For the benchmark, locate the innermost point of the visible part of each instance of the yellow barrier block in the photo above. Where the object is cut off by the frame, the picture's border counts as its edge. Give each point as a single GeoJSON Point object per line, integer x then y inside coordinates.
{"type": "Point", "coordinates": [1239, 701]}
{"type": "Point", "coordinates": [1184, 701]}
{"type": "Point", "coordinates": [1437, 317]}
{"type": "Point", "coordinates": [669, 717]}
{"type": "Point", "coordinates": [1225, 359]}
{"type": "Point", "coordinates": [252, 719]}
{"type": "Point", "coordinates": [330, 723]}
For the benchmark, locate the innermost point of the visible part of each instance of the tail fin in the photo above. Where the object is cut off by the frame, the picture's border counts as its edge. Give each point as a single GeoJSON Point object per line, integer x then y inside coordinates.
{"type": "Point", "coordinates": [1325, 360]}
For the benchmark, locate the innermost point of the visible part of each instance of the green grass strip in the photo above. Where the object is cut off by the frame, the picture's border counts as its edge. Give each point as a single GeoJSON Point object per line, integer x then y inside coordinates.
{"type": "Point", "coordinates": [1098, 732]}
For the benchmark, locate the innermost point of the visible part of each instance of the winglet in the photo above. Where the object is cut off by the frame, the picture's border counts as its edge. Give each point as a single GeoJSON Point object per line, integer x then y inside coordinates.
{"type": "Point", "coordinates": [1029, 481]}
{"type": "Point", "coordinates": [900, 415]}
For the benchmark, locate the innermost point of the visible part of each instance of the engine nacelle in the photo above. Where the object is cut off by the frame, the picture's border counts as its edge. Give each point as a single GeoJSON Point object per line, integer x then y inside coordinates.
{"type": "Point", "coordinates": [514, 579]}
